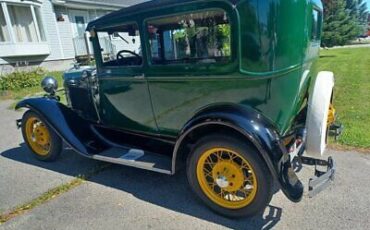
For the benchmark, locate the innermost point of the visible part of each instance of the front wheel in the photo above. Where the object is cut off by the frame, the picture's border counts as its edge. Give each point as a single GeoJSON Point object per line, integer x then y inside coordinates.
{"type": "Point", "coordinates": [229, 176]}
{"type": "Point", "coordinates": [44, 143]}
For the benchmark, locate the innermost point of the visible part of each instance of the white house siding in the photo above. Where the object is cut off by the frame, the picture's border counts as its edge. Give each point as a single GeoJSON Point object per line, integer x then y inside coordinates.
{"type": "Point", "coordinates": [2, 62]}
{"type": "Point", "coordinates": [65, 32]}
{"type": "Point", "coordinates": [94, 14]}
{"type": "Point", "coordinates": [51, 30]}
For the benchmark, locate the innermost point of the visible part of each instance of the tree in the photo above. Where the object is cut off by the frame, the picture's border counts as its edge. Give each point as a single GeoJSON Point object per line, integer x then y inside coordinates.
{"type": "Point", "coordinates": [358, 10]}
{"type": "Point", "coordinates": [340, 23]}
{"type": "Point", "coordinates": [363, 15]}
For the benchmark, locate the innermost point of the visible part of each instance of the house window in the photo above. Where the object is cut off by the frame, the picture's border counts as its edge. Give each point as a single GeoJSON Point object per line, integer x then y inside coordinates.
{"type": "Point", "coordinates": [196, 37]}
{"type": "Point", "coordinates": [4, 33]}
{"type": "Point", "coordinates": [21, 23]}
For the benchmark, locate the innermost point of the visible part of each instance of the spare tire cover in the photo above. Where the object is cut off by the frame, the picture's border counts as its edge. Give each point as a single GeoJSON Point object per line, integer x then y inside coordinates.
{"type": "Point", "coordinates": [317, 113]}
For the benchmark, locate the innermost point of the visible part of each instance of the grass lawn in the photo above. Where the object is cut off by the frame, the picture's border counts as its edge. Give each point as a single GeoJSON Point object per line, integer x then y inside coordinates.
{"type": "Point", "coordinates": [352, 92]}
{"type": "Point", "coordinates": [17, 95]}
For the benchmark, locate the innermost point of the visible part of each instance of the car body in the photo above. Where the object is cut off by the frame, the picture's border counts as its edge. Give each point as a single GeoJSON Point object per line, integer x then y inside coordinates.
{"type": "Point", "coordinates": [189, 70]}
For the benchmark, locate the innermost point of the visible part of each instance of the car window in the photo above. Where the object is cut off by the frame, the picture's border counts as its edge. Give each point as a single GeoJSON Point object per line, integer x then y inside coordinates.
{"type": "Point", "coordinates": [197, 37]}
{"type": "Point", "coordinates": [120, 46]}
{"type": "Point", "coordinates": [315, 33]}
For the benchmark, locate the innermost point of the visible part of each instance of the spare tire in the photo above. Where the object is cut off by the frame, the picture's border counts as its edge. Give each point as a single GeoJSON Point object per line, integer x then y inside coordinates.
{"type": "Point", "coordinates": [317, 113]}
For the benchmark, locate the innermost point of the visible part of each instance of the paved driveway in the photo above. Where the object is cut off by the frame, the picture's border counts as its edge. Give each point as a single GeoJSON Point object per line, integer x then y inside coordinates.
{"type": "Point", "coordinates": [126, 198]}
{"type": "Point", "coordinates": [21, 176]}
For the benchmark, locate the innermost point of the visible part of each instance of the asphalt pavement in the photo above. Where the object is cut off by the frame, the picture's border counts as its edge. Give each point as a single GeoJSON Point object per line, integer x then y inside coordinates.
{"type": "Point", "coordinates": [121, 197]}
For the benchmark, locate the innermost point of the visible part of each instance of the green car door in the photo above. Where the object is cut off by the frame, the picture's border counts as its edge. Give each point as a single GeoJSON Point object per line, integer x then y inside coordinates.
{"type": "Point", "coordinates": [123, 90]}
{"type": "Point", "coordinates": [190, 59]}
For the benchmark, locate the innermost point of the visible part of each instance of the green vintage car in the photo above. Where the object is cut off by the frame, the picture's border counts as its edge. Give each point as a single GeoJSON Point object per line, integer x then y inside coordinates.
{"type": "Point", "coordinates": [226, 89]}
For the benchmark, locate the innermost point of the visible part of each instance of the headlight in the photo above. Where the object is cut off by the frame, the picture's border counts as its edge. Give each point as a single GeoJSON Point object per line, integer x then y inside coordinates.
{"type": "Point", "coordinates": [84, 74]}
{"type": "Point", "coordinates": [49, 84]}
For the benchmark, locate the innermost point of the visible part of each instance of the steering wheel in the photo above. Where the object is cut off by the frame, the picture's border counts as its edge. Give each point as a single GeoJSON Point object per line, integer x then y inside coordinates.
{"type": "Point", "coordinates": [119, 54]}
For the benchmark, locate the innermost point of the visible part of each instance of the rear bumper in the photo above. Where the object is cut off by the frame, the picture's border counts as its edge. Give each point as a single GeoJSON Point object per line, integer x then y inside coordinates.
{"type": "Point", "coordinates": [335, 130]}
{"type": "Point", "coordinates": [321, 178]}
{"type": "Point", "coordinates": [324, 170]}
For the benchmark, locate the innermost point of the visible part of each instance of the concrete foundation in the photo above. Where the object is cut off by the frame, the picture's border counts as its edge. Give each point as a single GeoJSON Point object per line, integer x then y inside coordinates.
{"type": "Point", "coordinates": [55, 65]}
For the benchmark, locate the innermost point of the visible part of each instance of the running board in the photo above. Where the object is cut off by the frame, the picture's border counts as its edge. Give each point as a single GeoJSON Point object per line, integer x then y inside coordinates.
{"type": "Point", "coordinates": [136, 158]}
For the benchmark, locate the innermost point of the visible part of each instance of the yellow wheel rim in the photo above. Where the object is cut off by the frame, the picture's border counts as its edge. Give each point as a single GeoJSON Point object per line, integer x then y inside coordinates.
{"type": "Point", "coordinates": [226, 178]}
{"type": "Point", "coordinates": [38, 136]}
{"type": "Point", "coordinates": [331, 115]}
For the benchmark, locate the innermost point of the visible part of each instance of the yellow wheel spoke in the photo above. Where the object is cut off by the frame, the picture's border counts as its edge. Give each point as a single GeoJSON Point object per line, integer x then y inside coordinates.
{"type": "Point", "coordinates": [219, 155]}
{"type": "Point", "coordinates": [245, 166]}
{"type": "Point", "coordinates": [213, 184]}
{"type": "Point", "coordinates": [231, 156]}
{"type": "Point", "coordinates": [207, 171]}
{"type": "Point", "coordinates": [249, 178]}
{"type": "Point", "coordinates": [245, 192]}
{"type": "Point", "coordinates": [234, 196]}
{"type": "Point", "coordinates": [223, 193]}
{"type": "Point", "coordinates": [210, 163]}
{"type": "Point", "coordinates": [208, 174]}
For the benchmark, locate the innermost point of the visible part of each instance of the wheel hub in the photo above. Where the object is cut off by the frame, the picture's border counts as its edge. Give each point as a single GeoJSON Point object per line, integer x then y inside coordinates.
{"type": "Point", "coordinates": [222, 182]}
{"type": "Point", "coordinates": [228, 175]}
{"type": "Point", "coordinates": [41, 136]}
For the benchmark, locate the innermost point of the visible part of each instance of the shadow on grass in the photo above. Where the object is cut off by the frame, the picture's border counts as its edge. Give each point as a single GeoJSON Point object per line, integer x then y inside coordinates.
{"type": "Point", "coordinates": [171, 192]}
{"type": "Point", "coordinates": [328, 56]}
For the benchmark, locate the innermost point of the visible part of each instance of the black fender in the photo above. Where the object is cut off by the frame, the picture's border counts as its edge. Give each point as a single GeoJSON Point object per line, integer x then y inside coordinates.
{"type": "Point", "coordinates": [74, 130]}
{"type": "Point", "coordinates": [259, 131]}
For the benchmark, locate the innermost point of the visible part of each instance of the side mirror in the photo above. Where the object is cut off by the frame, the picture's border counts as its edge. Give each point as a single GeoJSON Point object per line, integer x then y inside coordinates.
{"type": "Point", "coordinates": [49, 84]}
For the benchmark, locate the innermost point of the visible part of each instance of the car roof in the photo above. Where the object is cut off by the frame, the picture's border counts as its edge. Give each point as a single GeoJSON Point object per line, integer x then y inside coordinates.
{"type": "Point", "coordinates": [140, 8]}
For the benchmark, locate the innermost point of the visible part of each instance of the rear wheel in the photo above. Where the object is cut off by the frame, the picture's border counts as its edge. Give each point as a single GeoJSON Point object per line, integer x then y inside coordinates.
{"type": "Point", "coordinates": [44, 143]}
{"type": "Point", "coordinates": [229, 176]}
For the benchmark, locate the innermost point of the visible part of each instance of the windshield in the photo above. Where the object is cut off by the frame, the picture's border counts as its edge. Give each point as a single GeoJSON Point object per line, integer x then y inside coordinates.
{"type": "Point", "coordinates": [120, 46]}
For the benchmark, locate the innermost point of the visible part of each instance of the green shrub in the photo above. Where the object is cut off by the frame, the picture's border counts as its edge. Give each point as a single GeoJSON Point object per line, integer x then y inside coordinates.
{"type": "Point", "coordinates": [21, 79]}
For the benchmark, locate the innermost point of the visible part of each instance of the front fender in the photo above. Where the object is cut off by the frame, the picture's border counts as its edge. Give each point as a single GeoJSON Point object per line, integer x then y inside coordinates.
{"type": "Point", "coordinates": [260, 132]}
{"type": "Point", "coordinates": [74, 130]}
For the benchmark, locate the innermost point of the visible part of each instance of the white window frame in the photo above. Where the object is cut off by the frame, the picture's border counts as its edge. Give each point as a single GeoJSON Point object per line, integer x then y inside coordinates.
{"type": "Point", "coordinates": [31, 5]}
{"type": "Point", "coordinates": [8, 23]}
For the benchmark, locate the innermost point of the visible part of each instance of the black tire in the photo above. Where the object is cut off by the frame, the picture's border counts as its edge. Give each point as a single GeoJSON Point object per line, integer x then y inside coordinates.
{"type": "Point", "coordinates": [264, 179]}
{"type": "Point", "coordinates": [56, 142]}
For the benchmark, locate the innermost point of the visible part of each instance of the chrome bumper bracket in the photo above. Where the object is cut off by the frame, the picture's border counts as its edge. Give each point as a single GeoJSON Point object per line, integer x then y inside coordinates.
{"type": "Point", "coordinates": [321, 179]}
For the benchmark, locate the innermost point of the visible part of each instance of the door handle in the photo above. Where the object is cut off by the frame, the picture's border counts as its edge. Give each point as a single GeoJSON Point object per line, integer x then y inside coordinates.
{"type": "Point", "coordinates": [141, 76]}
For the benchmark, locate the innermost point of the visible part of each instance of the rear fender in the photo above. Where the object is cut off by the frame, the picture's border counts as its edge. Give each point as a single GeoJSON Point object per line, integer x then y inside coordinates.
{"type": "Point", "coordinates": [260, 132]}
{"type": "Point", "coordinates": [74, 130]}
